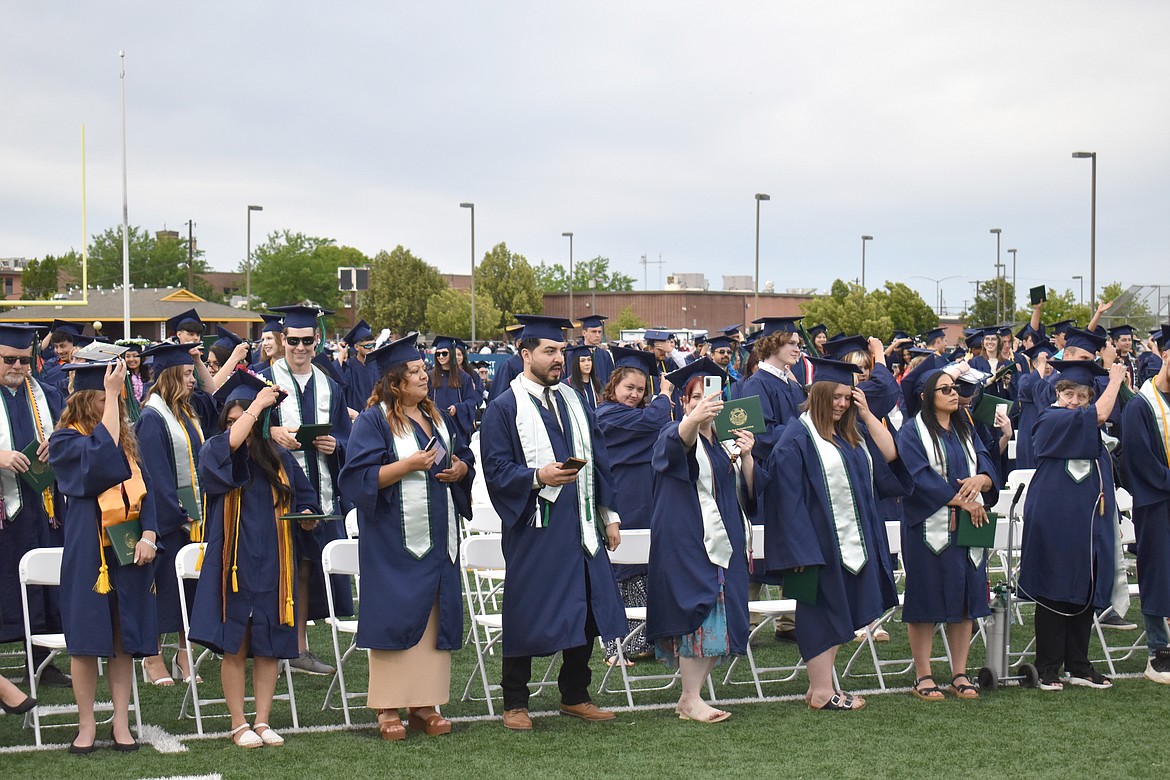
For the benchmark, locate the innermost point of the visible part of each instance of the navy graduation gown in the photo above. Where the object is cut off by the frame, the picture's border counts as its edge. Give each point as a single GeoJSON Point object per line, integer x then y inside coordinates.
{"type": "Point", "coordinates": [1068, 544]}
{"type": "Point", "coordinates": [589, 394]}
{"type": "Point", "coordinates": [258, 561]}
{"type": "Point", "coordinates": [1148, 479]}
{"type": "Point", "coordinates": [85, 467]}
{"type": "Point", "coordinates": [159, 470]}
{"type": "Point", "coordinates": [1026, 398]}
{"type": "Point", "coordinates": [464, 398]}
{"type": "Point", "coordinates": [682, 585]}
{"type": "Point", "coordinates": [945, 587]}
{"type": "Point", "coordinates": [406, 587]}
{"type": "Point", "coordinates": [505, 373]}
{"type": "Point", "coordinates": [799, 531]}
{"type": "Point", "coordinates": [29, 529]}
{"type": "Point", "coordinates": [780, 402]}
{"type": "Point", "coordinates": [360, 379]}
{"type": "Point", "coordinates": [881, 391]}
{"type": "Point", "coordinates": [602, 365]}
{"type": "Point", "coordinates": [549, 571]}
{"type": "Point", "coordinates": [630, 435]}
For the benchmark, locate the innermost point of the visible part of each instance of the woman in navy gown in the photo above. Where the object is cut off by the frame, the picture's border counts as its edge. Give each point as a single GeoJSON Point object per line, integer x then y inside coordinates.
{"type": "Point", "coordinates": [580, 375]}
{"type": "Point", "coordinates": [452, 389]}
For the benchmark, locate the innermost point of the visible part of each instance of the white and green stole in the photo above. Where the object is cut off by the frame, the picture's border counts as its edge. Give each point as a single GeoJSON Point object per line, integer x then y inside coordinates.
{"type": "Point", "coordinates": [716, 541]}
{"type": "Point", "coordinates": [936, 529]}
{"type": "Point", "coordinates": [538, 452]}
{"type": "Point", "coordinates": [183, 452]}
{"type": "Point", "coordinates": [1160, 411]}
{"type": "Point", "coordinates": [10, 480]}
{"type": "Point", "coordinates": [321, 415]}
{"type": "Point", "coordinates": [843, 503]}
{"type": "Point", "coordinates": [414, 494]}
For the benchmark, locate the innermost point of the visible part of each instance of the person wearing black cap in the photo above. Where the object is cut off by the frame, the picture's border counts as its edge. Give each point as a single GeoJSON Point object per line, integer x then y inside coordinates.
{"type": "Point", "coordinates": [313, 399]}
{"type": "Point", "coordinates": [945, 583]}
{"type": "Point", "coordinates": [1039, 369]}
{"type": "Point", "coordinates": [271, 343]}
{"type": "Point", "coordinates": [1149, 361]}
{"type": "Point", "coordinates": [1069, 547]}
{"type": "Point", "coordinates": [700, 549]}
{"type": "Point", "coordinates": [820, 513]}
{"type": "Point", "coordinates": [630, 420]}
{"type": "Point", "coordinates": [661, 343]}
{"type": "Point", "coordinates": [169, 438]}
{"type": "Point", "coordinates": [187, 328]}
{"type": "Point", "coordinates": [561, 591]}
{"type": "Point", "coordinates": [228, 351]}
{"type": "Point", "coordinates": [28, 519]}
{"type": "Point", "coordinates": [781, 395]}
{"type": "Point", "coordinates": [1122, 336]}
{"type": "Point", "coordinates": [819, 334]}
{"type": "Point", "coordinates": [247, 599]}
{"type": "Point", "coordinates": [509, 369]}
{"type": "Point", "coordinates": [410, 471]}
{"type": "Point", "coordinates": [136, 371]}
{"type": "Point", "coordinates": [452, 389]}
{"type": "Point", "coordinates": [580, 375]}
{"type": "Point", "coordinates": [1146, 439]}
{"type": "Point", "coordinates": [722, 350]}
{"type": "Point", "coordinates": [63, 342]}
{"type": "Point", "coordinates": [95, 458]}
{"type": "Point", "coordinates": [358, 373]}
{"type": "Point", "coordinates": [592, 335]}
{"type": "Point", "coordinates": [935, 340]}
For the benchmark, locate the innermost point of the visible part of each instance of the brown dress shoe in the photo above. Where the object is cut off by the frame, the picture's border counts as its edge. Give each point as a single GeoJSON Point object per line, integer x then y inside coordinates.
{"type": "Point", "coordinates": [587, 711]}
{"type": "Point", "coordinates": [517, 720]}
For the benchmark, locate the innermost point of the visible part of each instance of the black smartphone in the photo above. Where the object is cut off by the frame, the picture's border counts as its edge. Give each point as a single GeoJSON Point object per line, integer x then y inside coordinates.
{"type": "Point", "coordinates": [573, 464]}
{"type": "Point", "coordinates": [431, 444]}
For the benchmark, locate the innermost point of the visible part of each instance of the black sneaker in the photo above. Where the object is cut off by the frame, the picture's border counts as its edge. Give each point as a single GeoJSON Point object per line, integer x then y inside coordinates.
{"type": "Point", "coordinates": [1110, 619]}
{"type": "Point", "coordinates": [1158, 667]}
{"type": "Point", "coordinates": [52, 677]}
{"type": "Point", "coordinates": [786, 635]}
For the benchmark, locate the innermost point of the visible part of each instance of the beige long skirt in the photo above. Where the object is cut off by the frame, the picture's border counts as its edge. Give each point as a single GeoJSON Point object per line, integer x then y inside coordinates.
{"type": "Point", "coordinates": [419, 676]}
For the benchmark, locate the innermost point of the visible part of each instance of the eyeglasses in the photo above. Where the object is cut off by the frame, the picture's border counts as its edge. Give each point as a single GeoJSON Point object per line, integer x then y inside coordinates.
{"type": "Point", "coordinates": [368, 345]}
{"type": "Point", "coordinates": [24, 361]}
{"type": "Point", "coordinates": [300, 341]}
{"type": "Point", "coordinates": [442, 352]}
{"type": "Point", "coordinates": [946, 389]}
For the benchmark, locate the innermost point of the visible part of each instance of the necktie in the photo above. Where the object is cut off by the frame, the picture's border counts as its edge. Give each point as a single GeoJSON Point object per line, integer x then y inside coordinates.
{"type": "Point", "coordinates": [552, 406]}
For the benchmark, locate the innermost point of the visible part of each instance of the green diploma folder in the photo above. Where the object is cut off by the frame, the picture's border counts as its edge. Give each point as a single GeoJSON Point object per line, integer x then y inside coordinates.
{"type": "Point", "coordinates": [802, 585]}
{"type": "Point", "coordinates": [123, 538]}
{"type": "Point", "coordinates": [740, 414]}
{"type": "Point", "coordinates": [967, 535]}
{"type": "Point", "coordinates": [299, 517]}
{"type": "Point", "coordinates": [39, 475]}
{"type": "Point", "coordinates": [306, 433]}
{"type": "Point", "coordinates": [985, 411]}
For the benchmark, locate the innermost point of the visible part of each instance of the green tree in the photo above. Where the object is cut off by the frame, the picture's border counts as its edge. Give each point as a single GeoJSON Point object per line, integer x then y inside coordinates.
{"type": "Point", "coordinates": [43, 278]}
{"type": "Point", "coordinates": [850, 308]}
{"type": "Point", "coordinates": [627, 320]}
{"type": "Point", "coordinates": [1059, 307]}
{"type": "Point", "coordinates": [400, 287]}
{"type": "Point", "coordinates": [554, 278]}
{"type": "Point", "coordinates": [906, 309]}
{"type": "Point", "coordinates": [154, 262]}
{"type": "Point", "coordinates": [993, 304]}
{"type": "Point", "coordinates": [449, 314]}
{"type": "Point", "coordinates": [1125, 309]}
{"type": "Point", "coordinates": [508, 279]}
{"type": "Point", "coordinates": [295, 268]}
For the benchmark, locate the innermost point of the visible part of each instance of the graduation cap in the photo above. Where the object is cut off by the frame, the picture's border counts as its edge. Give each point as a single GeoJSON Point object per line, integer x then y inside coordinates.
{"type": "Point", "coordinates": [227, 339]}
{"type": "Point", "coordinates": [1029, 332]}
{"type": "Point", "coordinates": [701, 367]}
{"type": "Point", "coordinates": [359, 333]}
{"type": "Point", "coordinates": [820, 327]}
{"type": "Point", "coordinates": [624, 357]}
{"type": "Point", "coordinates": [244, 385]}
{"type": "Point", "coordinates": [403, 350]}
{"type": "Point", "coordinates": [837, 349]}
{"type": "Point", "coordinates": [974, 338]}
{"type": "Point", "coordinates": [542, 326]}
{"type": "Point", "coordinates": [1062, 326]}
{"type": "Point", "coordinates": [593, 321]}
{"type": "Point", "coordinates": [578, 351]}
{"type": "Point", "coordinates": [1083, 339]}
{"type": "Point", "coordinates": [701, 339]}
{"type": "Point", "coordinates": [514, 330]}
{"type": "Point", "coordinates": [1122, 330]}
{"type": "Point", "coordinates": [1083, 372]}
{"type": "Point", "coordinates": [70, 327]}
{"type": "Point", "coordinates": [730, 330]}
{"type": "Point", "coordinates": [1161, 337]}
{"type": "Point", "coordinates": [933, 335]}
{"type": "Point", "coordinates": [838, 371]}
{"type": "Point", "coordinates": [778, 325]}
{"type": "Point", "coordinates": [87, 376]}
{"type": "Point", "coordinates": [901, 335]}
{"type": "Point", "coordinates": [657, 335]}
{"type": "Point", "coordinates": [1003, 330]}
{"type": "Point", "coordinates": [444, 342]}
{"type": "Point", "coordinates": [1046, 347]}
{"type": "Point", "coordinates": [921, 352]}
{"type": "Point", "coordinates": [298, 316]}
{"type": "Point", "coordinates": [17, 336]}
{"type": "Point", "coordinates": [957, 354]}
{"type": "Point", "coordinates": [721, 342]}
{"type": "Point", "coordinates": [273, 323]}
{"type": "Point", "coordinates": [188, 321]}
{"type": "Point", "coordinates": [164, 356]}
{"type": "Point", "coordinates": [922, 378]}
{"type": "Point", "coordinates": [83, 341]}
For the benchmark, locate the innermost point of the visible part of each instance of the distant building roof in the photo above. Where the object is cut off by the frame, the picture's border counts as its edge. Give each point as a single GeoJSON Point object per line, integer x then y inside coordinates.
{"type": "Point", "coordinates": [151, 304]}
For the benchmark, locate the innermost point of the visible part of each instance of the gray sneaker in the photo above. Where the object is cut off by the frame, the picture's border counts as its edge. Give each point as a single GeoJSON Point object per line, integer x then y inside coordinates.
{"type": "Point", "coordinates": [1158, 667]}
{"type": "Point", "coordinates": [310, 664]}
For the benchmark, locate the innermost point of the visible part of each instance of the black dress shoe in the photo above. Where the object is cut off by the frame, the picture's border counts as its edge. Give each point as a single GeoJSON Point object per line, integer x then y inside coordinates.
{"type": "Point", "coordinates": [124, 747]}
{"type": "Point", "coordinates": [78, 750]}
{"type": "Point", "coordinates": [52, 677]}
{"type": "Point", "coordinates": [26, 705]}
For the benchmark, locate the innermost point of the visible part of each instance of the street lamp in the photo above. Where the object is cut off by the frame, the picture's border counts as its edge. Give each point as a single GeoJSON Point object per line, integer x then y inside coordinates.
{"type": "Point", "coordinates": [570, 237]}
{"type": "Point", "coordinates": [1081, 279]}
{"type": "Point", "coordinates": [593, 293]}
{"type": "Point", "coordinates": [937, 293]}
{"type": "Point", "coordinates": [998, 265]}
{"type": "Point", "coordinates": [1015, 294]}
{"type": "Point", "coordinates": [756, 281]}
{"type": "Point", "coordinates": [190, 254]}
{"type": "Point", "coordinates": [248, 264]}
{"type": "Point", "coordinates": [863, 240]}
{"type": "Point", "coordinates": [472, 207]}
{"type": "Point", "coordinates": [1092, 225]}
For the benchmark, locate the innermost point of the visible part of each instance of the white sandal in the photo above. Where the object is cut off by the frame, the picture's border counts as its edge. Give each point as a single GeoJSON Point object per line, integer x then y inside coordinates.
{"type": "Point", "coordinates": [268, 736]}
{"type": "Point", "coordinates": [248, 739]}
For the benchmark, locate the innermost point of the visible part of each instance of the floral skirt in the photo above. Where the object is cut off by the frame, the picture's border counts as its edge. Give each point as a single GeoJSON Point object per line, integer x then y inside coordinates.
{"type": "Point", "coordinates": [709, 640]}
{"type": "Point", "coordinates": [633, 592]}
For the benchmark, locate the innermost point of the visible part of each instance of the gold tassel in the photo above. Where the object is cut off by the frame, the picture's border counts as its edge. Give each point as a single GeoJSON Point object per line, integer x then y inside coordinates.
{"type": "Point", "coordinates": [47, 497]}
{"type": "Point", "coordinates": [199, 560]}
{"type": "Point", "coordinates": [102, 585]}
{"type": "Point", "coordinates": [235, 579]}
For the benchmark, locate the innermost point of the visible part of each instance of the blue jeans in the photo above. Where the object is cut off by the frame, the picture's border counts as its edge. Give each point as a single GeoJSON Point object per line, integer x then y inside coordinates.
{"type": "Point", "coordinates": [1157, 636]}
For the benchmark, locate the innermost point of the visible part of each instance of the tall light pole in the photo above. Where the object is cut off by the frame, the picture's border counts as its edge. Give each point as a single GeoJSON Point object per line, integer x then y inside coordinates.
{"type": "Point", "coordinates": [570, 237]}
{"type": "Point", "coordinates": [248, 264]}
{"type": "Point", "coordinates": [1092, 227]}
{"type": "Point", "coordinates": [1081, 279]}
{"type": "Point", "coordinates": [1015, 293]}
{"type": "Point", "coordinates": [937, 291]}
{"type": "Point", "coordinates": [472, 207]}
{"type": "Point", "coordinates": [998, 265]}
{"type": "Point", "coordinates": [125, 213]}
{"type": "Point", "coordinates": [760, 196]}
{"type": "Point", "coordinates": [863, 240]}
{"type": "Point", "coordinates": [190, 254]}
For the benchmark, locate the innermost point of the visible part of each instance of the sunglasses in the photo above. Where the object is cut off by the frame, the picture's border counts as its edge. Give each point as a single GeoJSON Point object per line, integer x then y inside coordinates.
{"type": "Point", "coordinates": [300, 341]}
{"type": "Point", "coordinates": [946, 389]}
{"type": "Point", "coordinates": [368, 345]}
{"type": "Point", "coordinates": [442, 353]}
{"type": "Point", "coordinates": [24, 361]}
{"type": "Point", "coordinates": [722, 352]}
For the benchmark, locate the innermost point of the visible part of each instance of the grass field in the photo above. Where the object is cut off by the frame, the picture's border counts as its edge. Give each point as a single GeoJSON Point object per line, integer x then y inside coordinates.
{"type": "Point", "coordinates": [1011, 732]}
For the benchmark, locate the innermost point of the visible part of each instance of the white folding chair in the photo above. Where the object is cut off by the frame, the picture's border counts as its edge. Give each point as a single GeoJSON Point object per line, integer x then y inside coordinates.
{"type": "Point", "coordinates": [340, 557]}
{"type": "Point", "coordinates": [351, 524]}
{"type": "Point", "coordinates": [42, 567]}
{"type": "Point", "coordinates": [187, 568]}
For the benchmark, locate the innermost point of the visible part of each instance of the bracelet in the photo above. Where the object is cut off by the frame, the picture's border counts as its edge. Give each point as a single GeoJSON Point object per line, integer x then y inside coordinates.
{"type": "Point", "coordinates": [252, 415]}
{"type": "Point", "coordinates": [152, 545]}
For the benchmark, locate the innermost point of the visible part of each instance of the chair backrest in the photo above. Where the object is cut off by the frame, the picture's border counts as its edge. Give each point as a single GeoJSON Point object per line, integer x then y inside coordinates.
{"type": "Point", "coordinates": [634, 548]}
{"type": "Point", "coordinates": [757, 542]}
{"type": "Point", "coordinates": [351, 523]}
{"type": "Point", "coordinates": [340, 557]}
{"type": "Point", "coordinates": [41, 566]}
{"type": "Point", "coordinates": [894, 536]}
{"type": "Point", "coordinates": [483, 551]}
{"type": "Point", "coordinates": [186, 561]}
{"type": "Point", "coordinates": [1020, 477]}
{"type": "Point", "coordinates": [484, 520]}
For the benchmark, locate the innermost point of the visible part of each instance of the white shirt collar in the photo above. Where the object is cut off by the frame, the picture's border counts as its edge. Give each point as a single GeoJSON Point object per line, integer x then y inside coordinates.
{"type": "Point", "coordinates": [768, 368]}
{"type": "Point", "coordinates": [535, 388]}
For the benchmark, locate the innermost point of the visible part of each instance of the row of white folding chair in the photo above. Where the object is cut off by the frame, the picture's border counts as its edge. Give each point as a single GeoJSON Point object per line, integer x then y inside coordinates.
{"type": "Point", "coordinates": [341, 557]}
{"type": "Point", "coordinates": [41, 567]}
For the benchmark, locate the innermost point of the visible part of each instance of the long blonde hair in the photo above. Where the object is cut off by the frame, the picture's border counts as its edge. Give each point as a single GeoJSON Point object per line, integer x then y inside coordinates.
{"type": "Point", "coordinates": [820, 409]}
{"type": "Point", "coordinates": [172, 388]}
{"type": "Point", "coordinates": [82, 414]}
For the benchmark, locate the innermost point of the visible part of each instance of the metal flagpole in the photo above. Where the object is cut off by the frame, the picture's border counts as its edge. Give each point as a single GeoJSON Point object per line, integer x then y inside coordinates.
{"type": "Point", "coordinates": [125, 214]}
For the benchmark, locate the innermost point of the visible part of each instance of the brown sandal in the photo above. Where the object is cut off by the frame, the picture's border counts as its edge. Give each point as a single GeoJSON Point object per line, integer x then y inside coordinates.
{"type": "Point", "coordinates": [432, 724]}
{"type": "Point", "coordinates": [929, 692]}
{"type": "Point", "coordinates": [966, 691]}
{"type": "Point", "coordinates": [390, 724]}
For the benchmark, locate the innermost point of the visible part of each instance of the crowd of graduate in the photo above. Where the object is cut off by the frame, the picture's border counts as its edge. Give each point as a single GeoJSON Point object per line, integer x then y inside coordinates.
{"type": "Point", "coordinates": [256, 452]}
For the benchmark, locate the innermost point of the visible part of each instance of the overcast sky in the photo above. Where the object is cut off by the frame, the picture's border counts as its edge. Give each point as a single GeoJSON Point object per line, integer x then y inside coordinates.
{"type": "Point", "coordinates": [644, 128]}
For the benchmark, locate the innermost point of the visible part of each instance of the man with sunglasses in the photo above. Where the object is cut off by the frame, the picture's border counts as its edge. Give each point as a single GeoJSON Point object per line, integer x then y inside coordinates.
{"type": "Point", "coordinates": [313, 399]}
{"type": "Point", "coordinates": [28, 518]}
{"type": "Point", "coordinates": [359, 377]}
{"type": "Point", "coordinates": [722, 349]}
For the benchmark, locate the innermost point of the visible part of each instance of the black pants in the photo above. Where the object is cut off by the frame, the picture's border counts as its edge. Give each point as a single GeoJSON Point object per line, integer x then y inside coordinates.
{"type": "Point", "coordinates": [1062, 639]}
{"type": "Point", "coordinates": [575, 675]}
